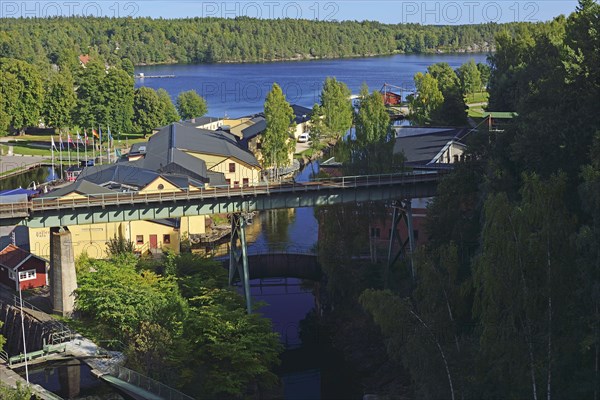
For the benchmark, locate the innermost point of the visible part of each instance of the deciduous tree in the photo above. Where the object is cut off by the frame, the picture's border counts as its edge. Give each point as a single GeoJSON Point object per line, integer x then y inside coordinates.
{"type": "Point", "coordinates": [191, 105]}
{"type": "Point", "coordinates": [427, 100]}
{"type": "Point", "coordinates": [336, 107]}
{"type": "Point", "coordinates": [276, 144]}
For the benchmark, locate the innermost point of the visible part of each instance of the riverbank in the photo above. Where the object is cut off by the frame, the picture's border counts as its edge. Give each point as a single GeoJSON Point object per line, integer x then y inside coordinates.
{"type": "Point", "coordinates": [474, 49]}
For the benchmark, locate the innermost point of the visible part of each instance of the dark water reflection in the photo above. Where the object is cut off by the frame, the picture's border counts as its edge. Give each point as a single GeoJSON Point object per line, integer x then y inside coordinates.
{"type": "Point", "coordinates": [25, 180]}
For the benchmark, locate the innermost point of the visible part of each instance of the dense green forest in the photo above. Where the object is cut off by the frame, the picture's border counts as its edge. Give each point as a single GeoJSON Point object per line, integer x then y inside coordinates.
{"type": "Point", "coordinates": [198, 40]}
{"type": "Point", "coordinates": [505, 301]}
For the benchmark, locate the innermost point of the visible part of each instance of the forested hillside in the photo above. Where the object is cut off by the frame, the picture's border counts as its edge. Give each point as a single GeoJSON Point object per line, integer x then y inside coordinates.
{"type": "Point", "coordinates": [199, 40]}
{"type": "Point", "coordinates": [506, 301]}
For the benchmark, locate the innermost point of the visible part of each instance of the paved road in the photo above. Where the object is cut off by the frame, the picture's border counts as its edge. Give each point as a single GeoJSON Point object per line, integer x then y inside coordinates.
{"type": "Point", "coordinates": [8, 163]}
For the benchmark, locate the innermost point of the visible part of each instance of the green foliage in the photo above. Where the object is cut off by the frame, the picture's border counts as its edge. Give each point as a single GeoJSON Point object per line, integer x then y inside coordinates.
{"type": "Point", "coordinates": [372, 151]}
{"type": "Point", "coordinates": [127, 66]}
{"type": "Point", "coordinates": [59, 99]}
{"type": "Point", "coordinates": [336, 107]}
{"type": "Point", "coordinates": [148, 110]}
{"type": "Point", "coordinates": [22, 87]}
{"type": "Point", "coordinates": [162, 319]}
{"type": "Point", "coordinates": [18, 393]}
{"type": "Point", "coordinates": [169, 112]}
{"type": "Point", "coordinates": [233, 348]}
{"type": "Point", "coordinates": [196, 40]}
{"type": "Point", "coordinates": [317, 128]}
{"type": "Point", "coordinates": [2, 338]}
{"type": "Point", "coordinates": [453, 109]}
{"type": "Point", "coordinates": [119, 298]}
{"type": "Point", "coordinates": [485, 72]}
{"type": "Point", "coordinates": [427, 100]}
{"type": "Point", "coordinates": [119, 246]}
{"type": "Point", "coordinates": [118, 94]}
{"type": "Point", "coordinates": [191, 105]}
{"type": "Point", "coordinates": [470, 78]}
{"type": "Point", "coordinates": [276, 144]}
{"type": "Point", "coordinates": [525, 267]}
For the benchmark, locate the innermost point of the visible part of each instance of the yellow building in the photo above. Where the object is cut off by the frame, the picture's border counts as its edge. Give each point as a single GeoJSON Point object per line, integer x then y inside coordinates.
{"type": "Point", "coordinates": [153, 236]}
{"type": "Point", "coordinates": [147, 236]}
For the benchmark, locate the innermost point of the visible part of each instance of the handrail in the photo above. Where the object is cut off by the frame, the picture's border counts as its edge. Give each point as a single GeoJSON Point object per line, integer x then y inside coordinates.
{"type": "Point", "coordinates": [148, 384]}
{"type": "Point", "coordinates": [19, 209]}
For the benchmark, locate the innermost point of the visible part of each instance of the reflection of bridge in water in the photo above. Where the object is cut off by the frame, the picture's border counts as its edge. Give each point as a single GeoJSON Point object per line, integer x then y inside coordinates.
{"type": "Point", "coordinates": [281, 261]}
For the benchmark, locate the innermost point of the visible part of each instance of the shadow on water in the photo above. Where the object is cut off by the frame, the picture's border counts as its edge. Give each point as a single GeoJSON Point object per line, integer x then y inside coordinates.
{"type": "Point", "coordinates": [72, 379]}
{"type": "Point", "coordinates": [310, 367]}
{"type": "Point", "coordinates": [25, 180]}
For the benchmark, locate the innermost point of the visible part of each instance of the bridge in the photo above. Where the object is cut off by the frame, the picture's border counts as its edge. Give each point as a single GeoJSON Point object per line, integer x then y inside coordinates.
{"type": "Point", "coordinates": [49, 212]}
{"type": "Point", "coordinates": [56, 213]}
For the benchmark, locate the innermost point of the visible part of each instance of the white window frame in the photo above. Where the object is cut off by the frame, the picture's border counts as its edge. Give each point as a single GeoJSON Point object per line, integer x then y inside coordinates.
{"type": "Point", "coordinates": [27, 275]}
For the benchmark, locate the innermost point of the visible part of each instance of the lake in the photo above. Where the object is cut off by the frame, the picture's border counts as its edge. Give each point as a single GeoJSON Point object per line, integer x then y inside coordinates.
{"type": "Point", "coordinates": [236, 90]}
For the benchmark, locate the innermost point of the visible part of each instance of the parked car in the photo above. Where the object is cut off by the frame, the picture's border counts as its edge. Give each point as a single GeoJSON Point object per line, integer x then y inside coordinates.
{"type": "Point", "coordinates": [303, 138]}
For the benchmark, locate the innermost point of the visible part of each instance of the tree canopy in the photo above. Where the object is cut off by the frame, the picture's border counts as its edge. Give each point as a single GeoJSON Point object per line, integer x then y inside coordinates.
{"type": "Point", "coordinates": [276, 144]}
{"type": "Point", "coordinates": [191, 105]}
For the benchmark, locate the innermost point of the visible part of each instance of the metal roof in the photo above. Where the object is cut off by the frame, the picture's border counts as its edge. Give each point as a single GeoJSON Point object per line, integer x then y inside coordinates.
{"type": "Point", "coordinates": [301, 114]}
{"type": "Point", "coordinates": [80, 186]}
{"type": "Point", "coordinates": [422, 144]}
{"type": "Point", "coordinates": [197, 140]}
{"type": "Point", "coordinates": [259, 125]}
{"type": "Point", "coordinates": [124, 173]}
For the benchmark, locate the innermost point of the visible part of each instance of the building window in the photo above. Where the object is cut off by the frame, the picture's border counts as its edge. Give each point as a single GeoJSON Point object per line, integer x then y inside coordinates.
{"type": "Point", "coordinates": [11, 275]}
{"type": "Point", "coordinates": [415, 234]}
{"type": "Point", "coordinates": [375, 233]}
{"type": "Point", "coordinates": [228, 182]}
{"type": "Point", "coordinates": [231, 167]}
{"type": "Point", "coordinates": [245, 182]}
{"type": "Point", "coordinates": [167, 239]}
{"type": "Point", "coordinates": [258, 145]}
{"type": "Point", "coordinates": [161, 186]}
{"type": "Point", "coordinates": [27, 275]}
{"type": "Point", "coordinates": [139, 239]}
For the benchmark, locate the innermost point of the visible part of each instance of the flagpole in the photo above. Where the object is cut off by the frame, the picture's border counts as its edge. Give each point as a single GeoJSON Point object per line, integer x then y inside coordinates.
{"type": "Point", "coordinates": [108, 146]}
{"type": "Point", "coordinates": [100, 144]}
{"type": "Point", "coordinates": [60, 155]}
{"type": "Point", "coordinates": [69, 148]}
{"type": "Point", "coordinates": [77, 144]}
{"type": "Point", "coordinates": [52, 150]}
{"type": "Point", "coordinates": [85, 147]}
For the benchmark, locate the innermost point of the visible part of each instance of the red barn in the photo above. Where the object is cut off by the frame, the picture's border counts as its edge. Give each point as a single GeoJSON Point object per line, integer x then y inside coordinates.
{"type": "Point", "coordinates": [31, 269]}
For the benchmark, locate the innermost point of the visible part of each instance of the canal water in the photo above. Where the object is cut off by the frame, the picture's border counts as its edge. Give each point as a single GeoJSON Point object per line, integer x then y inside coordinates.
{"type": "Point", "coordinates": [72, 379]}
{"type": "Point", "coordinates": [26, 179]}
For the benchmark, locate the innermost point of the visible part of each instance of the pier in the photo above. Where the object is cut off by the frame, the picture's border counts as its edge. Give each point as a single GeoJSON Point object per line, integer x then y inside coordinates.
{"type": "Point", "coordinates": [142, 76]}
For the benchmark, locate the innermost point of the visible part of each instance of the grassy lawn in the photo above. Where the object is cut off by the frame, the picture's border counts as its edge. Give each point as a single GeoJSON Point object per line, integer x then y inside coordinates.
{"type": "Point", "coordinates": [23, 147]}
{"type": "Point", "coordinates": [481, 97]}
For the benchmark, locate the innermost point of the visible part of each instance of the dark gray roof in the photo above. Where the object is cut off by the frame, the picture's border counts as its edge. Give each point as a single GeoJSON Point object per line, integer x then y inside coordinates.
{"type": "Point", "coordinates": [259, 125]}
{"type": "Point", "coordinates": [174, 161]}
{"type": "Point", "coordinates": [129, 173]}
{"type": "Point", "coordinates": [301, 114]}
{"type": "Point", "coordinates": [79, 186]}
{"type": "Point", "coordinates": [138, 148]}
{"type": "Point", "coordinates": [216, 178]}
{"type": "Point", "coordinates": [197, 140]}
{"type": "Point", "coordinates": [204, 120]}
{"type": "Point", "coordinates": [421, 144]}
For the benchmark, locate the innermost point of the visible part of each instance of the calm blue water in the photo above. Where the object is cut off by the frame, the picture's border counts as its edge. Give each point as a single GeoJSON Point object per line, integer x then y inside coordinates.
{"type": "Point", "coordinates": [240, 89]}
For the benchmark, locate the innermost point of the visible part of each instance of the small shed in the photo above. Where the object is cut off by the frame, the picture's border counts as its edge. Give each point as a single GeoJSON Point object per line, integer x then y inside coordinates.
{"type": "Point", "coordinates": [20, 266]}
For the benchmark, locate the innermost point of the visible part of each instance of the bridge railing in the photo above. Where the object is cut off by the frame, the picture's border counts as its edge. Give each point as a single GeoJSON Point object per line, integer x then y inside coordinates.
{"type": "Point", "coordinates": [148, 384]}
{"type": "Point", "coordinates": [20, 209]}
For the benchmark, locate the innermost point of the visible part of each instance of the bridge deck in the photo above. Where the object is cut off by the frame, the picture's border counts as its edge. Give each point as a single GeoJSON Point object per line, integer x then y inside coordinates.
{"type": "Point", "coordinates": [47, 211]}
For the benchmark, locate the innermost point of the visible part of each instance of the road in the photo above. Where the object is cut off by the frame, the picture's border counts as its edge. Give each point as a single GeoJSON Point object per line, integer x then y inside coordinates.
{"type": "Point", "coordinates": [8, 163]}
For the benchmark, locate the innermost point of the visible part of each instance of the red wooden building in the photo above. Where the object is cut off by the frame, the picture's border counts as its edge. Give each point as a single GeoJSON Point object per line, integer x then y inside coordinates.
{"type": "Point", "coordinates": [32, 270]}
